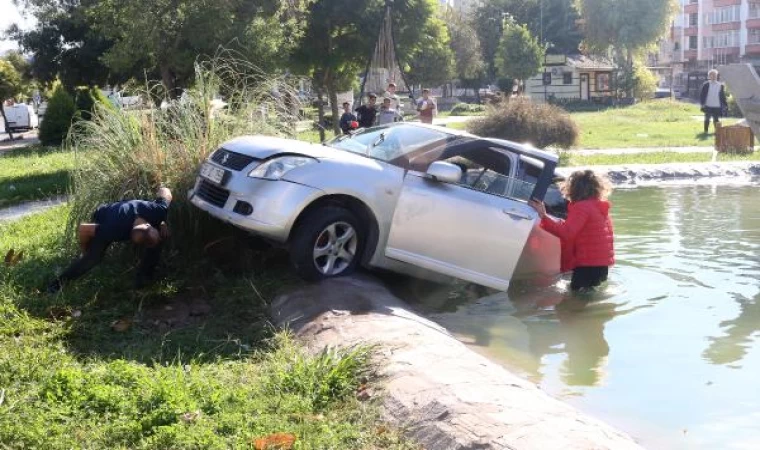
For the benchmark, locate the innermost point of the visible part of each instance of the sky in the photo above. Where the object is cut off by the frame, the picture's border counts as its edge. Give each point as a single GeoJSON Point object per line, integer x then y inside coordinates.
{"type": "Point", "coordinates": [9, 15]}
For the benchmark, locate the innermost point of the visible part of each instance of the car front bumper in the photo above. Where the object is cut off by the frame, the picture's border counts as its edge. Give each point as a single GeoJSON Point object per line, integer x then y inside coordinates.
{"type": "Point", "coordinates": [275, 204]}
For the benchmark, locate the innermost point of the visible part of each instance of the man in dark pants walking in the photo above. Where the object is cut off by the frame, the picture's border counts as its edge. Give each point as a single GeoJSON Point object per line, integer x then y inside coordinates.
{"type": "Point", "coordinates": [140, 221]}
{"type": "Point", "coordinates": [712, 98]}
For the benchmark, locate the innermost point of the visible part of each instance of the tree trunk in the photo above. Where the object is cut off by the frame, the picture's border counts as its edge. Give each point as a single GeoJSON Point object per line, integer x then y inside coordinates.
{"type": "Point", "coordinates": [629, 64]}
{"type": "Point", "coordinates": [331, 91]}
{"type": "Point", "coordinates": [5, 121]}
{"type": "Point", "coordinates": [320, 113]}
{"type": "Point", "coordinates": [167, 78]}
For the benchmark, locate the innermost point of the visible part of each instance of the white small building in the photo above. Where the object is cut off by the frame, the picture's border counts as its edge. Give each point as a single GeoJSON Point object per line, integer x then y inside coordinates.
{"type": "Point", "coordinates": [573, 77]}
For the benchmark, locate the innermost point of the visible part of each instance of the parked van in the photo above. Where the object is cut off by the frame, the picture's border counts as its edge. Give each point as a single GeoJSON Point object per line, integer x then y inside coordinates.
{"type": "Point", "coordinates": [21, 116]}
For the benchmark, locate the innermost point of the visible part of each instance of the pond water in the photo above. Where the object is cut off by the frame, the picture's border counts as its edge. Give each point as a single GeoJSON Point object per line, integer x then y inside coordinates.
{"type": "Point", "coordinates": [669, 350]}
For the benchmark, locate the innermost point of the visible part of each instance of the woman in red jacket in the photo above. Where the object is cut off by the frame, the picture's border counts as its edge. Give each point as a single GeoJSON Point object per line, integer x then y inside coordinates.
{"type": "Point", "coordinates": [586, 234]}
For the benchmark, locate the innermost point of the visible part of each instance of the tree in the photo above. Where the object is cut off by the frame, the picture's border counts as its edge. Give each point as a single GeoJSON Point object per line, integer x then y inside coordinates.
{"type": "Point", "coordinates": [64, 44]}
{"type": "Point", "coordinates": [625, 26]}
{"type": "Point", "coordinates": [10, 83]}
{"type": "Point", "coordinates": [519, 55]}
{"type": "Point", "coordinates": [424, 46]}
{"type": "Point", "coordinates": [93, 42]}
{"type": "Point", "coordinates": [468, 57]}
{"type": "Point", "coordinates": [554, 22]}
{"type": "Point", "coordinates": [167, 36]}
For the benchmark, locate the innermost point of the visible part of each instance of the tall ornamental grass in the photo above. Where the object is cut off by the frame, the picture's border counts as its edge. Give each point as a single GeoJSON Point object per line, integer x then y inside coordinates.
{"type": "Point", "coordinates": [127, 154]}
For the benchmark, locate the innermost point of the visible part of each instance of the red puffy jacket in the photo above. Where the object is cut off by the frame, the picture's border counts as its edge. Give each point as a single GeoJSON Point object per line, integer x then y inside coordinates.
{"type": "Point", "coordinates": [586, 235]}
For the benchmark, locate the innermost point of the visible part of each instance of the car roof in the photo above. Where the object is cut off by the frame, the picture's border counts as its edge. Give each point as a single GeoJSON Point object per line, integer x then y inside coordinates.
{"type": "Point", "coordinates": [525, 149]}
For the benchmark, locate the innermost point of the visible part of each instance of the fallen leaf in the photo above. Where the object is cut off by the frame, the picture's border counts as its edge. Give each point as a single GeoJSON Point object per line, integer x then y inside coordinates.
{"type": "Point", "coordinates": [121, 325]}
{"type": "Point", "coordinates": [276, 441]}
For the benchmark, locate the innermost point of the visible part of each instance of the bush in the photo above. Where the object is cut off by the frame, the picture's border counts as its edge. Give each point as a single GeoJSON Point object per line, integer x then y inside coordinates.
{"type": "Point", "coordinates": [57, 121]}
{"type": "Point", "coordinates": [86, 98]}
{"type": "Point", "coordinates": [521, 120]}
{"type": "Point", "coordinates": [467, 108]}
{"type": "Point", "coordinates": [132, 153]}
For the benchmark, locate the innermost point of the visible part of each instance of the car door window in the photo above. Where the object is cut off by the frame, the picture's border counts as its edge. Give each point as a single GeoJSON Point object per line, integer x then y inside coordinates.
{"type": "Point", "coordinates": [485, 170]}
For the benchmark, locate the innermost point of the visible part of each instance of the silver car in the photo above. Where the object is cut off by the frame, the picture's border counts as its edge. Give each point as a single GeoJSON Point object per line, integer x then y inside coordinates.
{"type": "Point", "coordinates": [411, 198]}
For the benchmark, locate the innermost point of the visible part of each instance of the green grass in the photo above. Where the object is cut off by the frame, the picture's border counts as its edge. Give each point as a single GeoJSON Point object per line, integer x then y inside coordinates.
{"type": "Point", "coordinates": [69, 379]}
{"type": "Point", "coordinates": [655, 158]}
{"type": "Point", "coordinates": [34, 173]}
{"type": "Point", "coordinates": [661, 123]}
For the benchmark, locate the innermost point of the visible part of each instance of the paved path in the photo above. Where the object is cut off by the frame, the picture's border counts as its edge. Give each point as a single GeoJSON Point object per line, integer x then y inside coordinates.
{"type": "Point", "coordinates": [29, 208]}
{"type": "Point", "coordinates": [622, 151]}
{"type": "Point", "coordinates": [27, 139]}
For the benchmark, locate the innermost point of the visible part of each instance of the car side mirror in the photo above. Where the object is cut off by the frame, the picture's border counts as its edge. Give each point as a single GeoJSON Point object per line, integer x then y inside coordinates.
{"type": "Point", "coordinates": [444, 172]}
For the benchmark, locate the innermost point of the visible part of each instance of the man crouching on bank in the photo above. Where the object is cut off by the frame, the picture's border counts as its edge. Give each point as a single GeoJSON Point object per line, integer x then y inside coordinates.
{"type": "Point", "coordinates": [140, 221]}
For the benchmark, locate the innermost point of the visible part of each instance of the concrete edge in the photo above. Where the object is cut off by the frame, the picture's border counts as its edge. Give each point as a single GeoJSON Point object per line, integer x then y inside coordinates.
{"type": "Point", "coordinates": [441, 393]}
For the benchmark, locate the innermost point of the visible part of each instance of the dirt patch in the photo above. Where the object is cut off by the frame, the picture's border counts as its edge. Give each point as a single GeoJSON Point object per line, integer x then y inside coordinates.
{"type": "Point", "coordinates": [178, 312]}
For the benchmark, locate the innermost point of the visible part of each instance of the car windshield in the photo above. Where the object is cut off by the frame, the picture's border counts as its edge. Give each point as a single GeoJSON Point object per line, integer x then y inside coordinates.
{"type": "Point", "coordinates": [387, 142]}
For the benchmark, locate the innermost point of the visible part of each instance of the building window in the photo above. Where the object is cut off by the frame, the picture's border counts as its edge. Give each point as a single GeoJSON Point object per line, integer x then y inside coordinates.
{"type": "Point", "coordinates": [753, 36]}
{"type": "Point", "coordinates": [726, 14]}
{"type": "Point", "coordinates": [693, 20]}
{"type": "Point", "coordinates": [722, 40]}
{"type": "Point", "coordinates": [567, 78]}
{"type": "Point", "coordinates": [754, 10]}
{"type": "Point", "coordinates": [693, 42]}
{"type": "Point", "coordinates": [677, 46]}
{"type": "Point", "coordinates": [603, 82]}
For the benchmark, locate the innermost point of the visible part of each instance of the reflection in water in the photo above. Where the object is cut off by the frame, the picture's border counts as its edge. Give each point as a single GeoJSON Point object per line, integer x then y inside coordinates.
{"type": "Point", "coordinates": [672, 343]}
{"type": "Point", "coordinates": [738, 339]}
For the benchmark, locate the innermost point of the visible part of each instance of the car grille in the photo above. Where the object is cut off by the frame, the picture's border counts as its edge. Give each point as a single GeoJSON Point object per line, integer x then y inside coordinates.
{"type": "Point", "coordinates": [213, 194]}
{"type": "Point", "coordinates": [231, 160]}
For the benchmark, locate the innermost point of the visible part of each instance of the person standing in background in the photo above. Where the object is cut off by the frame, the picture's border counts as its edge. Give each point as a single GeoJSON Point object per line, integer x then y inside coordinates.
{"type": "Point", "coordinates": [346, 118]}
{"type": "Point", "coordinates": [426, 107]}
{"type": "Point", "coordinates": [368, 112]}
{"type": "Point", "coordinates": [713, 99]}
{"type": "Point", "coordinates": [395, 99]}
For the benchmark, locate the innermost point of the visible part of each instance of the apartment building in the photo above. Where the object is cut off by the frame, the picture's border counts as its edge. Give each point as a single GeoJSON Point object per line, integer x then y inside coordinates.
{"type": "Point", "coordinates": [708, 33]}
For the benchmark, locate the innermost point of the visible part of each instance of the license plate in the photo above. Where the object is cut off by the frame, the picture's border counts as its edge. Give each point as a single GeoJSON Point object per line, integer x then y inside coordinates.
{"type": "Point", "coordinates": [212, 173]}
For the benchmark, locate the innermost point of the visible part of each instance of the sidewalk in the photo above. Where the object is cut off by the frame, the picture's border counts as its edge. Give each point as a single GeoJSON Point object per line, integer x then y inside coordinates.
{"type": "Point", "coordinates": [621, 151]}
{"type": "Point", "coordinates": [28, 138]}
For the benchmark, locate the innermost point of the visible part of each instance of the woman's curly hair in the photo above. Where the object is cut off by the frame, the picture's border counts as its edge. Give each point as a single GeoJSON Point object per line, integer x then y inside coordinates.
{"type": "Point", "coordinates": [585, 184]}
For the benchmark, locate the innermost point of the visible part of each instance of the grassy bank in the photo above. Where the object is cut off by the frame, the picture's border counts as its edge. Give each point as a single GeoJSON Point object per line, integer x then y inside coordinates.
{"type": "Point", "coordinates": [34, 173]}
{"type": "Point", "coordinates": [653, 158]}
{"type": "Point", "coordinates": [661, 123]}
{"type": "Point", "coordinates": [103, 366]}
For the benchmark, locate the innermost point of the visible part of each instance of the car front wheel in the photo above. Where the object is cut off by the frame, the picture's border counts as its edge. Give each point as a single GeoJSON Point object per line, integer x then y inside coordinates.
{"type": "Point", "coordinates": [327, 244]}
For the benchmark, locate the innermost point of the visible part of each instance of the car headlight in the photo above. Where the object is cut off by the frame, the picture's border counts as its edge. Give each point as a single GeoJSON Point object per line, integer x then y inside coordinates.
{"type": "Point", "coordinates": [276, 168]}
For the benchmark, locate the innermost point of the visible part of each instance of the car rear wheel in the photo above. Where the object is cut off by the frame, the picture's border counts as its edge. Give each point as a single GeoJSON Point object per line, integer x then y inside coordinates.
{"type": "Point", "coordinates": [327, 244]}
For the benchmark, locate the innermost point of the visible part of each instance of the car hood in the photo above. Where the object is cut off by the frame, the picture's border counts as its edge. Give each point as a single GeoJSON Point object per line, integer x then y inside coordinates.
{"type": "Point", "coordinates": [263, 147]}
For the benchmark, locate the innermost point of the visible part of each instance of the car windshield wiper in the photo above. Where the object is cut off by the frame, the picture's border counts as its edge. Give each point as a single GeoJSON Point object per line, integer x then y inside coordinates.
{"type": "Point", "coordinates": [380, 139]}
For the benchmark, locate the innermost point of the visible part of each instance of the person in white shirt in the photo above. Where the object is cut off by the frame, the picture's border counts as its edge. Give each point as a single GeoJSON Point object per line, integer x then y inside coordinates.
{"type": "Point", "coordinates": [713, 99]}
{"type": "Point", "coordinates": [395, 99]}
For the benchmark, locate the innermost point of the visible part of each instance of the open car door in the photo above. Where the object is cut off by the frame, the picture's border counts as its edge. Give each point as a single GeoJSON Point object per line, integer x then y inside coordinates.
{"type": "Point", "coordinates": [475, 232]}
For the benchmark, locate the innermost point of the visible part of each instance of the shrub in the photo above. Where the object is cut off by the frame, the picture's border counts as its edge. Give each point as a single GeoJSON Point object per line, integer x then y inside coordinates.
{"type": "Point", "coordinates": [522, 120]}
{"type": "Point", "coordinates": [467, 108]}
{"type": "Point", "coordinates": [57, 121]}
{"type": "Point", "coordinates": [134, 152]}
{"type": "Point", "coordinates": [86, 98]}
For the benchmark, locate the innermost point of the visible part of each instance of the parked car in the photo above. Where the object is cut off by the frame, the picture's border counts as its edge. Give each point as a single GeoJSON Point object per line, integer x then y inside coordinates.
{"type": "Point", "coordinates": [411, 198]}
{"type": "Point", "coordinates": [21, 116]}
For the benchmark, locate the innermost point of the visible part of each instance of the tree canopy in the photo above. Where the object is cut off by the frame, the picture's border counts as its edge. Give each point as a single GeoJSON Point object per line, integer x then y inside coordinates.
{"type": "Point", "coordinates": [10, 85]}
{"type": "Point", "coordinates": [519, 55]}
{"type": "Point", "coordinates": [624, 24]}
